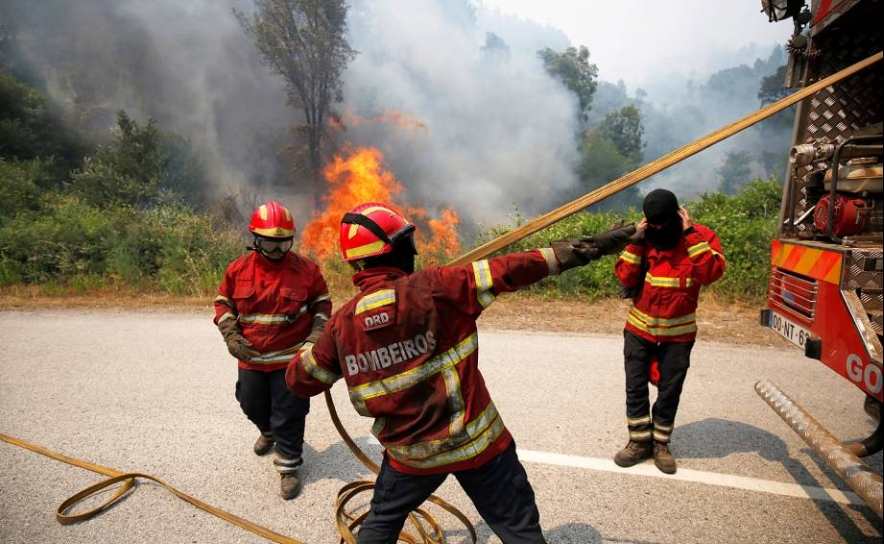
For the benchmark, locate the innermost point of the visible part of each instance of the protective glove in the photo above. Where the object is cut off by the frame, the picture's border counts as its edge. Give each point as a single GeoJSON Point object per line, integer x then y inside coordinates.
{"type": "Point", "coordinates": [236, 344]}
{"type": "Point", "coordinates": [614, 240]}
{"type": "Point", "coordinates": [316, 332]}
{"type": "Point", "coordinates": [571, 253]}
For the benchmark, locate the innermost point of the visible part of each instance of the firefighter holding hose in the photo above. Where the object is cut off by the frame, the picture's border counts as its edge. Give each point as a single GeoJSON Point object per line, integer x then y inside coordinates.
{"type": "Point", "coordinates": [407, 347]}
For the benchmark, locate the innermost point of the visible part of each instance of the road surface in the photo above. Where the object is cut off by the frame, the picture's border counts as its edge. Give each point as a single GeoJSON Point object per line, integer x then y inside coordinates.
{"type": "Point", "coordinates": [152, 392]}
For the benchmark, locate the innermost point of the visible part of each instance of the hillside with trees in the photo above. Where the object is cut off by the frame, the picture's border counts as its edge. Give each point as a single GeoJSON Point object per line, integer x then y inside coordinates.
{"type": "Point", "coordinates": [110, 180]}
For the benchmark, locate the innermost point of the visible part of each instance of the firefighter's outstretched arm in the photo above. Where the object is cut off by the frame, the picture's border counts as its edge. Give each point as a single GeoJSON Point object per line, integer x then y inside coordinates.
{"type": "Point", "coordinates": [313, 369]}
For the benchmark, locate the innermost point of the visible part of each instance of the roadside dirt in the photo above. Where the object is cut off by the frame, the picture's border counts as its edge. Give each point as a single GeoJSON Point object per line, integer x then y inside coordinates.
{"type": "Point", "coordinates": [719, 321]}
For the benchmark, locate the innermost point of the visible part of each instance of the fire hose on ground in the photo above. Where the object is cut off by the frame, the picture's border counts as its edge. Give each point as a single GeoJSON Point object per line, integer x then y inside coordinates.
{"type": "Point", "coordinates": [346, 521]}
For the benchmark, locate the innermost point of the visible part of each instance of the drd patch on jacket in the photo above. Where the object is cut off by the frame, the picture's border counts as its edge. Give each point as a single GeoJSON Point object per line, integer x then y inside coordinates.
{"type": "Point", "coordinates": [377, 318]}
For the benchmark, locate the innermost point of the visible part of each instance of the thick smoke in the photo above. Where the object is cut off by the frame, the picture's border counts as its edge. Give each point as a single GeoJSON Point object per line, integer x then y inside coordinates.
{"type": "Point", "coordinates": [488, 132]}
{"type": "Point", "coordinates": [680, 109]}
{"type": "Point", "coordinates": [188, 65]}
{"type": "Point", "coordinates": [496, 132]}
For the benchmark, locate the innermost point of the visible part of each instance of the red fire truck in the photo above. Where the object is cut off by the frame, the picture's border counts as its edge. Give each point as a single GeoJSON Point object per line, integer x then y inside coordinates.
{"type": "Point", "coordinates": [825, 290]}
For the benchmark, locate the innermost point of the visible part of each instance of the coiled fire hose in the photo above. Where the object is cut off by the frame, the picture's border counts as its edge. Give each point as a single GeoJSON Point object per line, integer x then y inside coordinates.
{"type": "Point", "coordinates": [427, 529]}
{"type": "Point", "coordinates": [345, 520]}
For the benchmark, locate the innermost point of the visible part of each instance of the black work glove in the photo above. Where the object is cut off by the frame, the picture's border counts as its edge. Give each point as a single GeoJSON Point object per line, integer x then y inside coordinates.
{"type": "Point", "coordinates": [571, 253]}
{"type": "Point", "coordinates": [236, 344]}
{"type": "Point", "coordinates": [614, 240]}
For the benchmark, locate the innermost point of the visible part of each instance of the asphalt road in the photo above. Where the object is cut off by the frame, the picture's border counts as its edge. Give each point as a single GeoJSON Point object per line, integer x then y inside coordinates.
{"type": "Point", "coordinates": [152, 392]}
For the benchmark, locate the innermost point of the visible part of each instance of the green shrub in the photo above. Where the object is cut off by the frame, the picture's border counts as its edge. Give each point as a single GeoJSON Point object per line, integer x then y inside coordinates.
{"type": "Point", "coordinates": [193, 251]}
{"type": "Point", "coordinates": [745, 224]}
{"type": "Point", "coordinates": [63, 239]}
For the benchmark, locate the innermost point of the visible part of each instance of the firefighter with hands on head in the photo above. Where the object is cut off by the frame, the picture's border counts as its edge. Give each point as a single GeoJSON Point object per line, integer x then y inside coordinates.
{"type": "Point", "coordinates": [670, 259]}
{"type": "Point", "coordinates": [408, 349]}
{"type": "Point", "coordinates": [271, 303]}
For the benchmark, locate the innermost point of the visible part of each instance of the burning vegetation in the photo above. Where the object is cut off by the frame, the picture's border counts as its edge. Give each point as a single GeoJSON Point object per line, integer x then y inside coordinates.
{"type": "Point", "coordinates": [356, 176]}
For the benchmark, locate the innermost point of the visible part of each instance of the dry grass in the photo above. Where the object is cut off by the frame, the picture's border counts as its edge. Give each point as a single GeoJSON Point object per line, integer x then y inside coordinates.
{"type": "Point", "coordinates": [719, 320]}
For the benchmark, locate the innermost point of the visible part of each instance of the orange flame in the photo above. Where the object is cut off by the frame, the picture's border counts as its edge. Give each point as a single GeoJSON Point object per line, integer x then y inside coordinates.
{"type": "Point", "coordinates": [360, 178]}
{"type": "Point", "coordinates": [398, 119]}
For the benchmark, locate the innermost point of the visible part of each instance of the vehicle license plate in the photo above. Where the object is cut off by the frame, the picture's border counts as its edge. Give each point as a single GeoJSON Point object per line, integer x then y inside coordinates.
{"type": "Point", "coordinates": [789, 330]}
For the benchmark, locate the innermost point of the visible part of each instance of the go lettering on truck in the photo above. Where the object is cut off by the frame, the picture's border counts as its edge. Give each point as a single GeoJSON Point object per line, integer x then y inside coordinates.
{"type": "Point", "coordinates": [864, 373]}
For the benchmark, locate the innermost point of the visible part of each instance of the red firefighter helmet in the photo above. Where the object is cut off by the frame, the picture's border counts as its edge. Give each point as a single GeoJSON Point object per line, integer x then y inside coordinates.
{"type": "Point", "coordinates": [371, 229]}
{"type": "Point", "coordinates": [272, 220]}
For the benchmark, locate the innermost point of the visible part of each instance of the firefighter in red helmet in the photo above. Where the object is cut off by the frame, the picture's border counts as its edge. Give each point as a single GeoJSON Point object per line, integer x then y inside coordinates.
{"type": "Point", "coordinates": [271, 303]}
{"type": "Point", "coordinates": [407, 348]}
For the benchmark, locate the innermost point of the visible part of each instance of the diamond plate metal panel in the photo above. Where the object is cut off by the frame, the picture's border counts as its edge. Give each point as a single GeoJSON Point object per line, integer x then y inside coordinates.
{"type": "Point", "coordinates": [841, 108]}
{"type": "Point", "coordinates": [863, 270]}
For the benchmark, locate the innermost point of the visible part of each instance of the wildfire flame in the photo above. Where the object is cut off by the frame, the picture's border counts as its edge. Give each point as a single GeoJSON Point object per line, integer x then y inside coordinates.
{"type": "Point", "coordinates": [359, 177]}
{"type": "Point", "coordinates": [398, 119]}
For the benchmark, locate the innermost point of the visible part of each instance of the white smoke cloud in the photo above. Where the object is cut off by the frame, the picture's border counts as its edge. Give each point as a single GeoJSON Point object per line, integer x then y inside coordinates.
{"type": "Point", "coordinates": [496, 133]}
{"type": "Point", "coordinates": [499, 131]}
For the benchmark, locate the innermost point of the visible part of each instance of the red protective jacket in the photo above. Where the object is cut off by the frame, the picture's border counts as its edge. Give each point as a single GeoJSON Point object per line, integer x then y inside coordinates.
{"type": "Point", "coordinates": [408, 349]}
{"type": "Point", "coordinates": [663, 311]}
{"type": "Point", "coordinates": [276, 304]}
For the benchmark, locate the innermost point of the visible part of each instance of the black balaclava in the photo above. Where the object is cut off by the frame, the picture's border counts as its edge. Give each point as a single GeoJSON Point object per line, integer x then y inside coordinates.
{"type": "Point", "coordinates": [661, 210]}
{"type": "Point", "coordinates": [401, 257]}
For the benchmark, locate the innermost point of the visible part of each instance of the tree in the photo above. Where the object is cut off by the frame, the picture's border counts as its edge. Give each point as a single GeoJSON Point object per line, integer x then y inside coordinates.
{"type": "Point", "coordinates": [624, 129]}
{"type": "Point", "coordinates": [29, 128]}
{"type": "Point", "coordinates": [611, 150]}
{"type": "Point", "coordinates": [128, 171]}
{"type": "Point", "coordinates": [773, 87]}
{"type": "Point", "coordinates": [572, 67]}
{"type": "Point", "coordinates": [143, 167]}
{"type": "Point", "coordinates": [735, 171]}
{"type": "Point", "coordinates": [303, 41]}
{"type": "Point", "coordinates": [495, 49]}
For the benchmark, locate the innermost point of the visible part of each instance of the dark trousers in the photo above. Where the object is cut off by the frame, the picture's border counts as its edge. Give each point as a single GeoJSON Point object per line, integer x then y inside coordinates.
{"type": "Point", "coordinates": [267, 402]}
{"type": "Point", "coordinates": [673, 360]}
{"type": "Point", "coordinates": [499, 490]}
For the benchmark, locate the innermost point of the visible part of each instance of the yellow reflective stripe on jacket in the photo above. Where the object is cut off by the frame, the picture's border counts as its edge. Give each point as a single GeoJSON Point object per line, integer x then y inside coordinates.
{"type": "Point", "coordinates": [393, 384]}
{"type": "Point", "coordinates": [277, 356]}
{"type": "Point", "coordinates": [551, 262]}
{"type": "Point", "coordinates": [484, 282]}
{"type": "Point", "coordinates": [310, 366]}
{"type": "Point", "coordinates": [455, 401]}
{"type": "Point", "coordinates": [662, 327]}
{"type": "Point", "coordinates": [672, 283]}
{"type": "Point", "coordinates": [631, 258]}
{"type": "Point", "coordinates": [480, 433]}
{"type": "Point", "coordinates": [320, 298]}
{"type": "Point", "coordinates": [384, 297]}
{"type": "Point", "coordinates": [271, 319]}
{"type": "Point", "coordinates": [697, 249]}
{"type": "Point", "coordinates": [661, 321]}
{"type": "Point", "coordinates": [225, 316]}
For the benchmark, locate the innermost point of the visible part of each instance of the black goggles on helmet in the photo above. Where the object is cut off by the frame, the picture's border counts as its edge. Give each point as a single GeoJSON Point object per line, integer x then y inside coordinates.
{"type": "Point", "coordinates": [272, 245]}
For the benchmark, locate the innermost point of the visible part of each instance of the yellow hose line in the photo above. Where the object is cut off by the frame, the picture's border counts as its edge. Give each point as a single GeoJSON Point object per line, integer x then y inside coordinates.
{"type": "Point", "coordinates": [345, 520]}
{"type": "Point", "coordinates": [128, 479]}
{"type": "Point", "coordinates": [656, 166]}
